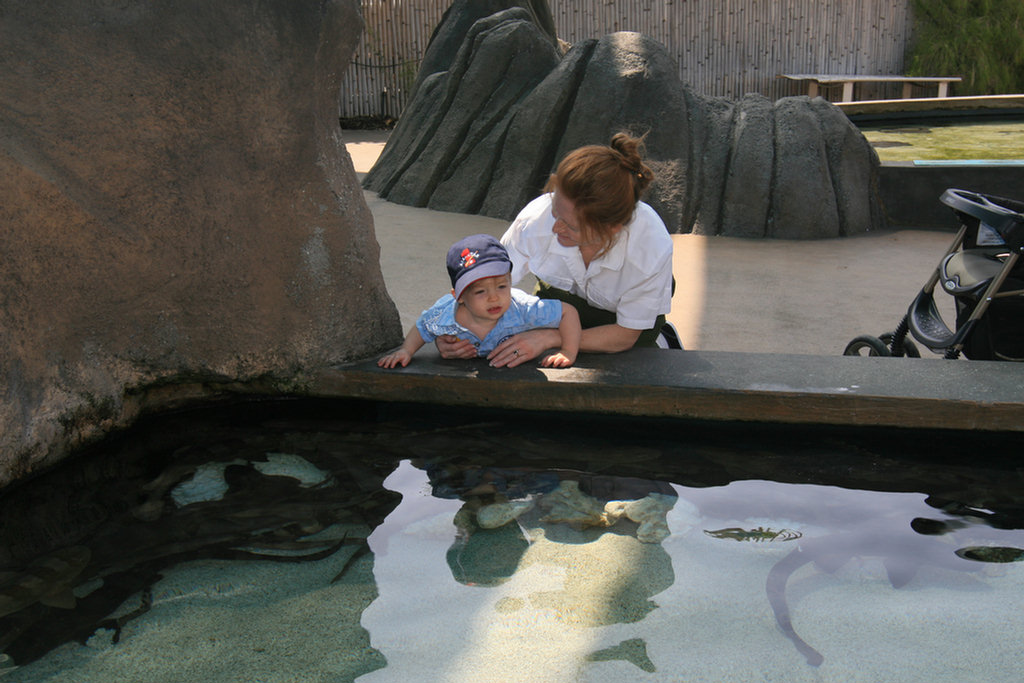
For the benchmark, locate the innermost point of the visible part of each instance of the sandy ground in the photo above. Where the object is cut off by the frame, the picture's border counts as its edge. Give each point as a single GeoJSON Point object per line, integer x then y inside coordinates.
{"type": "Point", "coordinates": [770, 296]}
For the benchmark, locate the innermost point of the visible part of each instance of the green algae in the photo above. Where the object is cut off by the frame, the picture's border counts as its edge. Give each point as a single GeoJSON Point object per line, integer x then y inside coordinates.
{"type": "Point", "coordinates": [1003, 139]}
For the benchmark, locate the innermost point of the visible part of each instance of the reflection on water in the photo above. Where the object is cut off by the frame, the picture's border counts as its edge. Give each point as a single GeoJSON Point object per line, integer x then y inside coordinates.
{"type": "Point", "coordinates": [554, 583]}
{"type": "Point", "coordinates": [335, 541]}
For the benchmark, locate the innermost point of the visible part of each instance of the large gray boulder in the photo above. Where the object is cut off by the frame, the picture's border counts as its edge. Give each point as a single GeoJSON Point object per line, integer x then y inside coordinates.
{"type": "Point", "coordinates": [178, 213]}
{"type": "Point", "coordinates": [577, 104]}
{"type": "Point", "coordinates": [484, 130]}
{"type": "Point", "coordinates": [452, 121]}
{"type": "Point", "coordinates": [457, 21]}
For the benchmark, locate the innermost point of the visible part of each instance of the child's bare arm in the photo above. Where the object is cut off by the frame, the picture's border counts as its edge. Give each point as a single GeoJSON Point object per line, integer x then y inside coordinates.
{"type": "Point", "coordinates": [413, 342]}
{"type": "Point", "coordinates": [571, 332]}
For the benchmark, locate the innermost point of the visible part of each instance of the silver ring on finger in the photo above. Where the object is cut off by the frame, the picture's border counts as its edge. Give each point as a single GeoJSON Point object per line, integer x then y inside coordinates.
{"type": "Point", "coordinates": [515, 352]}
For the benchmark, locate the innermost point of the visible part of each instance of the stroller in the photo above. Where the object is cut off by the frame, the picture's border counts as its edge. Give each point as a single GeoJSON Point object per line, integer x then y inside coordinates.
{"type": "Point", "coordinates": [981, 270]}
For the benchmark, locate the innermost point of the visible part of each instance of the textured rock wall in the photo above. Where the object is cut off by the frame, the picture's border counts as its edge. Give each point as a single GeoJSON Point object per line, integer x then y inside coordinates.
{"type": "Point", "coordinates": [481, 134]}
{"type": "Point", "coordinates": [178, 210]}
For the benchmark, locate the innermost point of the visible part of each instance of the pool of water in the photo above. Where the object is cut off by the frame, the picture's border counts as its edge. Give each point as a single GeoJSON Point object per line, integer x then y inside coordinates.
{"type": "Point", "coordinates": [326, 541]}
{"type": "Point", "coordinates": [948, 139]}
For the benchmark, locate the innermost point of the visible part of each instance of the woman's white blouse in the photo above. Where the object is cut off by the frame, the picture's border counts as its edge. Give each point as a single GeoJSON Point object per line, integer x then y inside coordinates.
{"type": "Point", "coordinates": [633, 278]}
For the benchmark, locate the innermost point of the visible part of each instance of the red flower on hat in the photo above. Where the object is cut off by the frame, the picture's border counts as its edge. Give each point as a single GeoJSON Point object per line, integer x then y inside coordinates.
{"type": "Point", "coordinates": [469, 257]}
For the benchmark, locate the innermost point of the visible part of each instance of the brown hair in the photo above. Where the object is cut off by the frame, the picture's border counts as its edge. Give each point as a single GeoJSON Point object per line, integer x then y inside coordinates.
{"type": "Point", "coordinates": [604, 182]}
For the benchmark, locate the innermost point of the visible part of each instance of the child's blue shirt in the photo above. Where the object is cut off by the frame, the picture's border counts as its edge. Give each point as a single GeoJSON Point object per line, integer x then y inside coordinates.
{"type": "Point", "coordinates": [526, 312]}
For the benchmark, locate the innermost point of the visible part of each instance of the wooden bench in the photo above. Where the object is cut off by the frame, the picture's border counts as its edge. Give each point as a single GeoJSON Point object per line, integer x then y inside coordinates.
{"type": "Point", "coordinates": [817, 80]}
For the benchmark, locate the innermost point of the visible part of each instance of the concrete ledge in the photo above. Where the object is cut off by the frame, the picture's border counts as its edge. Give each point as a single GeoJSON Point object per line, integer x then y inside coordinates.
{"type": "Point", "coordinates": [715, 386]}
{"type": "Point", "coordinates": [910, 193]}
{"type": "Point", "coordinates": [916, 108]}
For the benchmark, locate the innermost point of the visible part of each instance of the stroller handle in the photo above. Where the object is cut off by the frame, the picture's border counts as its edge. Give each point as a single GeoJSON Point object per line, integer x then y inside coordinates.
{"type": "Point", "coordinates": [1007, 222]}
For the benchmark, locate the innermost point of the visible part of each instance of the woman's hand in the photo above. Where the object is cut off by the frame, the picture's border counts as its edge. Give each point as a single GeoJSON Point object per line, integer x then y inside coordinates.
{"type": "Point", "coordinates": [524, 346]}
{"type": "Point", "coordinates": [450, 346]}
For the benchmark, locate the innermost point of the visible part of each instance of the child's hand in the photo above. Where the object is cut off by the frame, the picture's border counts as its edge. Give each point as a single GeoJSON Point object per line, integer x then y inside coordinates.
{"type": "Point", "coordinates": [557, 360]}
{"type": "Point", "coordinates": [399, 357]}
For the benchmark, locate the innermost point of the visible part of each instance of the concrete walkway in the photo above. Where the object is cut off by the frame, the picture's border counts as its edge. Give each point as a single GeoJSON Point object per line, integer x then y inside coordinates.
{"type": "Point", "coordinates": [740, 304]}
{"type": "Point", "coordinates": [751, 296]}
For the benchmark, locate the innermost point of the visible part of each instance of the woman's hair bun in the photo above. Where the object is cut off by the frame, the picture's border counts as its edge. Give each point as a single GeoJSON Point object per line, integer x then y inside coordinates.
{"type": "Point", "coordinates": [631, 149]}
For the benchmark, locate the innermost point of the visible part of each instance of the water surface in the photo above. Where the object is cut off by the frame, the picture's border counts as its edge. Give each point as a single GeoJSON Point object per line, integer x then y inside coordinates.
{"type": "Point", "coordinates": [952, 139]}
{"type": "Point", "coordinates": [342, 541]}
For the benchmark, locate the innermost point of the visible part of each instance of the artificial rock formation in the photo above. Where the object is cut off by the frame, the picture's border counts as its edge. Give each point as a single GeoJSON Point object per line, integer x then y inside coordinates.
{"type": "Point", "coordinates": [178, 208]}
{"type": "Point", "coordinates": [486, 126]}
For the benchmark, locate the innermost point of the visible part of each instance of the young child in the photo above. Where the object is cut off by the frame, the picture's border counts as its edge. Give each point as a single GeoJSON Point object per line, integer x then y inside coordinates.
{"type": "Point", "coordinates": [484, 307]}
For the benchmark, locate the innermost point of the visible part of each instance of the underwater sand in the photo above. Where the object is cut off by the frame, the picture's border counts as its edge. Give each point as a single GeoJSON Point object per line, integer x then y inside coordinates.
{"type": "Point", "coordinates": [601, 608]}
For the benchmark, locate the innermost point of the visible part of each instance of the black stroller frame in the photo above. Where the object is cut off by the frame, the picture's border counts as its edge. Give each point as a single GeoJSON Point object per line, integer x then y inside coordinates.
{"type": "Point", "coordinates": [982, 259]}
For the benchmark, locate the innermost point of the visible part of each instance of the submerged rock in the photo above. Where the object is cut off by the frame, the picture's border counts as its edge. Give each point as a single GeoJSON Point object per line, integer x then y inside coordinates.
{"type": "Point", "coordinates": [568, 505]}
{"type": "Point", "coordinates": [991, 554]}
{"type": "Point", "coordinates": [76, 558]}
{"type": "Point", "coordinates": [651, 513]}
{"type": "Point", "coordinates": [48, 579]}
{"type": "Point", "coordinates": [294, 466]}
{"type": "Point", "coordinates": [206, 484]}
{"type": "Point", "coordinates": [498, 514]}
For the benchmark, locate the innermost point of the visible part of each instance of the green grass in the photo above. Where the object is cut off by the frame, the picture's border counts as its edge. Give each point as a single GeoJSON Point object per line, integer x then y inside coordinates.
{"type": "Point", "coordinates": [987, 140]}
{"type": "Point", "coordinates": [981, 40]}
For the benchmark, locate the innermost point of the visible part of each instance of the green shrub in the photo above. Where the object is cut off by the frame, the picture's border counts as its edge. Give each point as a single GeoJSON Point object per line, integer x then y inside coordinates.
{"type": "Point", "coordinates": [980, 40]}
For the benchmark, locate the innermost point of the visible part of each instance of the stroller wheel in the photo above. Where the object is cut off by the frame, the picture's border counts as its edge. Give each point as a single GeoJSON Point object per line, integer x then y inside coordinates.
{"type": "Point", "coordinates": [909, 347]}
{"type": "Point", "coordinates": [873, 346]}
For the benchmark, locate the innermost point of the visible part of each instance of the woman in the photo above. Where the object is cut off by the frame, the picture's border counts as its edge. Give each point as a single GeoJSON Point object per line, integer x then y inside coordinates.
{"type": "Point", "coordinates": [590, 241]}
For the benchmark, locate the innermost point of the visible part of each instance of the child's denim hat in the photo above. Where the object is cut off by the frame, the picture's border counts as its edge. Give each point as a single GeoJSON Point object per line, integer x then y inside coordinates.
{"type": "Point", "coordinates": [474, 258]}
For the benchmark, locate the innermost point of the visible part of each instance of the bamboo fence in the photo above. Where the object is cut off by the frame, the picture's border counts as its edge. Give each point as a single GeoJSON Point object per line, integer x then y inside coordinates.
{"type": "Point", "coordinates": [723, 47]}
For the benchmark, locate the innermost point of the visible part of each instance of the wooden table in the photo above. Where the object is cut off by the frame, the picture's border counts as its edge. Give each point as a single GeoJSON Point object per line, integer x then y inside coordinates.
{"type": "Point", "coordinates": [816, 80]}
